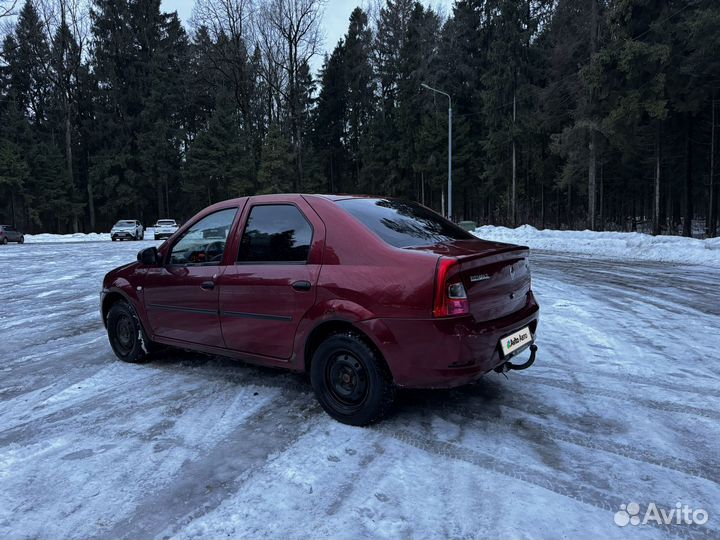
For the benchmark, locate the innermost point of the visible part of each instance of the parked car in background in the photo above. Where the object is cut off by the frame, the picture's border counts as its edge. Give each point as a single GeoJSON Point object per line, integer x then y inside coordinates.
{"type": "Point", "coordinates": [8, 233]}
{"type": "Point", "coordinates": [127, 229]}
{"type": "Point", "coordinates": [165, 228]}
{"type": "Point", "coordinates": [364, 294]}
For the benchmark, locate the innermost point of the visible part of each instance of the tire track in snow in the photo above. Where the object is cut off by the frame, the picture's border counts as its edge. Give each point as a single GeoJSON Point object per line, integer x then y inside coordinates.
{"type": "Point", "coordinates": [203, 485]}
{"type": "Point", "coordinates": [642, 381]}
{"type": "Point", "coordinates": [582, 493]}
{"type": "Point", "coordinates": [679, 465]}
{"type": "Point", "coordinates": [649, 403]}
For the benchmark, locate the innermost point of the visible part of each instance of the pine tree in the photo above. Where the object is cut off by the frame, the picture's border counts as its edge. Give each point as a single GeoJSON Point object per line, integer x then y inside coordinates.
{"type": "Point", "coordinates": [220, 162]}
{"type": "Point", "coordinates": [277, 165]}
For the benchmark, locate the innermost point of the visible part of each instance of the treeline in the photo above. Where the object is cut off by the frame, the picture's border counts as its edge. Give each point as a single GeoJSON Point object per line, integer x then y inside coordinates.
{"type": "Point", "coordinates": [566, 113]}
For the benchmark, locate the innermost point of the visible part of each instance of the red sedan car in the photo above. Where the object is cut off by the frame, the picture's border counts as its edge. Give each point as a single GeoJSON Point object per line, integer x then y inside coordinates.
{"type": "Point", "coordinates": [365, 294]}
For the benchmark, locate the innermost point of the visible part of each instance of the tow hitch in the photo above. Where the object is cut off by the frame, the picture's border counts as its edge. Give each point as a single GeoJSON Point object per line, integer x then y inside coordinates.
{"type": "Point", "coordinates": [508, 366]}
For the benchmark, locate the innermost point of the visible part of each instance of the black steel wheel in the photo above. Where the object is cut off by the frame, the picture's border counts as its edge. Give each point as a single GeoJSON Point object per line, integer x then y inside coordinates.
{"type": "Point", "coordinates": [351, 380]}
{"type": "Point", "coordinates": [127, 337]}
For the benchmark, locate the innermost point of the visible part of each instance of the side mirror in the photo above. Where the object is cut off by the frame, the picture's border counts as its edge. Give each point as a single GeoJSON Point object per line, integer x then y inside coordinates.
{"type": "Point", "coordinates": [148, 256]}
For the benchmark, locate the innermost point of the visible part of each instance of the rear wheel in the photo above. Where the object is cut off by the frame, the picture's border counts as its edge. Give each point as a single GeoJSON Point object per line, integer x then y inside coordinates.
{"type": "Point", "coordinates": [127, 337]}
{"type": "Point", "coordinates": [22, 240]}
{"type": "Point", "coordinates": [4, 241]}
{"type": "Point", "coordinates": [351, 380]}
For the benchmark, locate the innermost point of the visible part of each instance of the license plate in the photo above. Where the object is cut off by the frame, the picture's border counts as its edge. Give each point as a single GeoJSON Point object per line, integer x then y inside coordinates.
{"type": "Point", "coordinates": [514, 342]}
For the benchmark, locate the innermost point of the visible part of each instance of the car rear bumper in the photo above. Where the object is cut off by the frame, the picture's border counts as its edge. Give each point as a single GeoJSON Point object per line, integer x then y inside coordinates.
{"type": "Point", "coordinates": [444, 353]}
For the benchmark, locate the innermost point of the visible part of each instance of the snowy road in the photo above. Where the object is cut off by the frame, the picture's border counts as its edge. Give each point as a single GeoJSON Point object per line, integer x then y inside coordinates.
{"type": "Point", "coordinates": [623, 405]}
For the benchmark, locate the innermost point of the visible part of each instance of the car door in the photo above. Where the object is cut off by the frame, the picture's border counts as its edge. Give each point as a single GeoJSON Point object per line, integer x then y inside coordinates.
{"type": "Point", "coordinates": [265, 294]}
{"type": "Point", "coordinates": [181, 296]}
{"type": "Point", "coordinates": [12, 234]}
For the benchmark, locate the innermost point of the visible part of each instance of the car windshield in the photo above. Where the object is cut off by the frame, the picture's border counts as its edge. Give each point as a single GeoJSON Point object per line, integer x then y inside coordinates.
{"type": "Point", "coordinates": [166, 222]}
{"type": "Point", "coordinates": [125, 223]}
{"type": "Point", "coordinates": [403, 223]}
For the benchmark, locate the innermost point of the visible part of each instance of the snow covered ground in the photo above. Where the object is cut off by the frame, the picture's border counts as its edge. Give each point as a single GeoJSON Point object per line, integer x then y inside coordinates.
{"type": "Point", "coordinates": [622, 405]}
{"type": "Point", "coordinates": [613, 245]}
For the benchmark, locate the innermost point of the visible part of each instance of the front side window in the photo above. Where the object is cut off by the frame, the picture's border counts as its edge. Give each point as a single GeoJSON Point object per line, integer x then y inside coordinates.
{"type": "Point", "coordinates": [275, 233]}
{"type": "Point", "coordinates": [203, 244]}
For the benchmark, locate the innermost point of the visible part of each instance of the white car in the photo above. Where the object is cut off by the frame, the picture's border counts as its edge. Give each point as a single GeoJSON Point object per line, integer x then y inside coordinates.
{"type": "Point", "coordinates": [165, 228]}
{"type": "Point", "coordinates": [127, 229]}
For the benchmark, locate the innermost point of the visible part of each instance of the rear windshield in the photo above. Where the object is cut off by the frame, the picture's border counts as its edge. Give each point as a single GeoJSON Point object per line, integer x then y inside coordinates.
{"type": "Point", "coordinates": [403, 223]}
{"type": "Point", "coordinates": [166, 222]}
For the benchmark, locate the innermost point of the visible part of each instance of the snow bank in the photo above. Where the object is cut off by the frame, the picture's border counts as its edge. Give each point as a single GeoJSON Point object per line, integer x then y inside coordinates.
{"type": "Point", "coordinates": [77, 237]}
{"type": "Point", "coordinates": [613, 245]}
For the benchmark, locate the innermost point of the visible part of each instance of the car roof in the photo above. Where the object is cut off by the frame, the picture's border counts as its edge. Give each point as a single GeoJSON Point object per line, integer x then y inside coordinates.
{"type": "Point", "coordinates": [275, 196]}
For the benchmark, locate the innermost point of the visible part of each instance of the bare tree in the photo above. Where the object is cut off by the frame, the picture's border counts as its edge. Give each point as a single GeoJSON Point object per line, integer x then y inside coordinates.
{"type": "Point", "coordinates": [228, 23]}
{"type": "Point", "coordinates": [7, 8]}
{"type": "Point", "coordinates": [290, 36]}
{"type": "Point", "coordinates": [66, 25]}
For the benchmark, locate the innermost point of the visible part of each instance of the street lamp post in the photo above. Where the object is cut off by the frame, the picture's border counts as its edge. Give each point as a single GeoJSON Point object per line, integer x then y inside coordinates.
{"type": "Point", "coordinates": [449, 187]}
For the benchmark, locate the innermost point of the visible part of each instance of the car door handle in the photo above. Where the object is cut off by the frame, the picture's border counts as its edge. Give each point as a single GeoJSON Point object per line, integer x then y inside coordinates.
{"type": "Point", "coordinates": [301, 285]}
{"type": "Point", "coordinates": [208, 285]}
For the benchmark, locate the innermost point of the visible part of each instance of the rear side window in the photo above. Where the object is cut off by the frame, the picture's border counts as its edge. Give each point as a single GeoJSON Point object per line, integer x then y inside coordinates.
{"type": "Point", "coordinates": [275, 233]}
{"type": "Point", "coordinates": [403, 223]}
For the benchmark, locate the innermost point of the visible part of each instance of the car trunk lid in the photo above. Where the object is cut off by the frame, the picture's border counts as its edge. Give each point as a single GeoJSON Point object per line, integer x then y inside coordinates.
{"type": "Point", "coordinates": [496, 276]}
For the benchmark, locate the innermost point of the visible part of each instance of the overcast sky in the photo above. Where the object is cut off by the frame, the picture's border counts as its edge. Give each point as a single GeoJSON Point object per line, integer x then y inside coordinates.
{"type": "Point", "coordinates": [335, 22]}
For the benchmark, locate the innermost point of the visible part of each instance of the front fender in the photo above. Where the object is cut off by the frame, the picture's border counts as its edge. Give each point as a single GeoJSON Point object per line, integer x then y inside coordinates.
{"type": "Point", "coordinates": [121, 288]}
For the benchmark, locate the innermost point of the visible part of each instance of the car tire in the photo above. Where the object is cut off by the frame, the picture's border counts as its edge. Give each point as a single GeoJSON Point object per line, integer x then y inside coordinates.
{"type": "Point", "coordinates": [113, 238]}
{"type": "Point", "coordinates": [126, 334]}
{"type": "Point", "coordinates": [22, 240]}
{"type": "Point", "coordinates": [351, 380]}
{"type": "Point", "coordinates": [4, 241]}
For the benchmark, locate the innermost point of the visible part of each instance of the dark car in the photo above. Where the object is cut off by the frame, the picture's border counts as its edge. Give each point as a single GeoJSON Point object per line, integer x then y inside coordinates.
{"type": "Point", "coordinates": [8, 233]}
{"type": "Point", "coordinates": [364, 294]}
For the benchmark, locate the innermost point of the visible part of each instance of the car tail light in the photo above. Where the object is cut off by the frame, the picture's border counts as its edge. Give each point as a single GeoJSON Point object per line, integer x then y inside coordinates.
{"type": "Point", "coordinates": [450, 296]}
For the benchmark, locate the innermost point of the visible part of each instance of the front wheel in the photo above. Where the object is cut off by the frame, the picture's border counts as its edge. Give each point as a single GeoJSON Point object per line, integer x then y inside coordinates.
{"type": "Point", "coordinates": [351, 380]}
{"type": "Point", "coordinates": [127, 338]}
{"type": "Point", "coordinates": [4, 241]}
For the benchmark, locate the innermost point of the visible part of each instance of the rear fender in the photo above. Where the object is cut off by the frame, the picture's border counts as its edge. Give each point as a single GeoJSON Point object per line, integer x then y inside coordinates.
{"type": "Point", "coordinates": [338, 310]}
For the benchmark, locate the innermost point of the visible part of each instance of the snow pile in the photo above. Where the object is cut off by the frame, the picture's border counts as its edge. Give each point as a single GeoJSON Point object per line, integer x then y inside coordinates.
{"type": "Point", "coordinates": [613, 245]}
{"type": "Point", "coordinates": [44, 238]}
{"type": "Point", "coordinates": [77, 237]}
